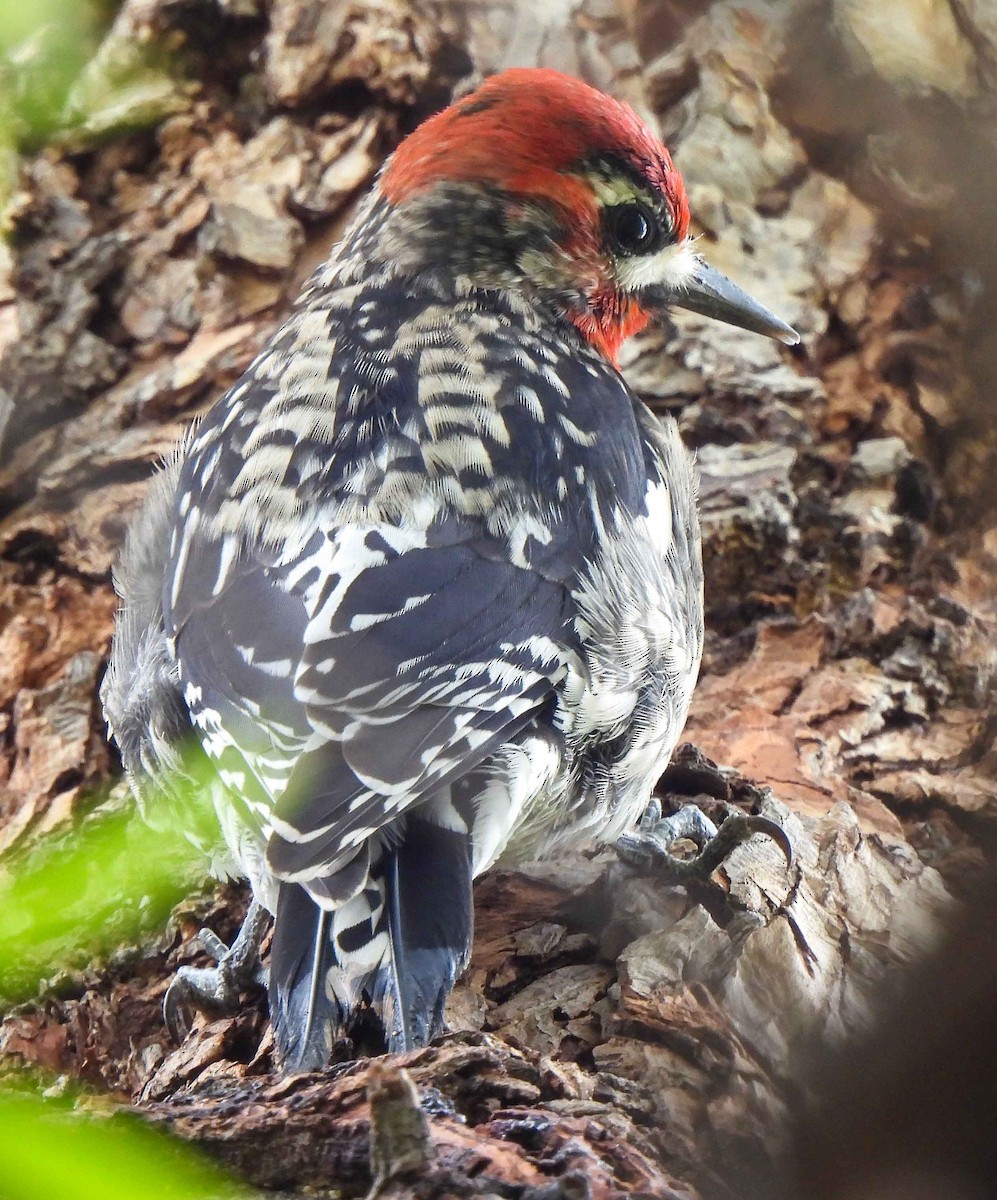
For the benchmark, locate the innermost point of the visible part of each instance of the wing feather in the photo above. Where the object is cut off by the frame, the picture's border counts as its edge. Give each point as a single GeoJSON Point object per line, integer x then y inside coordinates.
{"type": "Point", "coordinates": [411, 669]}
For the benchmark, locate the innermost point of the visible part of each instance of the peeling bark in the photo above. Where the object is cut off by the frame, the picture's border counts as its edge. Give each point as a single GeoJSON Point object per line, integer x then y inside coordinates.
{"type": "Point", "coordinates": [613, 1035]}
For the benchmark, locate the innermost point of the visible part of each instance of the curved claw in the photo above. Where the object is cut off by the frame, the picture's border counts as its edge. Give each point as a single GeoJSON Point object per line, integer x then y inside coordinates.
{"type": "Point", "coordinates": [775, 831]}
{"type": "Point", "coordinates": [649, 848]}
{"type": "Point", "coordinates": [218, 989]}
{"type": "Point", "coordinates": [734, 831]}
{"type": "Point", "coordinates": [173, 1003]}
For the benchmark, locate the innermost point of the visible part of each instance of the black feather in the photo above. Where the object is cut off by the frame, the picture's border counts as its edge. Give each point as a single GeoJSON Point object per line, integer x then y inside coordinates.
{"type": "Point", "coordinates": [305, 1017]}
{"type": "Point", "coordinates": [431, 915]}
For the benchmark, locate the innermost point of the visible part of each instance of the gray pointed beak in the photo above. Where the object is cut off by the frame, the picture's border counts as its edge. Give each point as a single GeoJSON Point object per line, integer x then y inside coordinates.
{"type": "Point", "coordinates": [710, 293]}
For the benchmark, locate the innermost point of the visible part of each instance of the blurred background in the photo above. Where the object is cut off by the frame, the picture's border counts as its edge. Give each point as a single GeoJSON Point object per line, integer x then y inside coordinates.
{"type": "Point", "coordinates": [170, 173]}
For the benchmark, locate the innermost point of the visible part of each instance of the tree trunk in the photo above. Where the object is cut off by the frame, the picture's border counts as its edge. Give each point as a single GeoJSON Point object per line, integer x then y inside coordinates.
{"type": "Point", "coordinates": [614, 1034]}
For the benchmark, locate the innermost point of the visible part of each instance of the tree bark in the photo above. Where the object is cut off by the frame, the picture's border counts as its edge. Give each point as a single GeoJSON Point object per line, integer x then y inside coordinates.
{"type": "Point", "coordinates": [614, 1034]}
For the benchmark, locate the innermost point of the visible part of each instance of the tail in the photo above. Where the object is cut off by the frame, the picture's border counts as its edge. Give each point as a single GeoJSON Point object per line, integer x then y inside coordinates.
{"type": "Point", "coordinates": [431, 919]}
{"type": "Point", "coordinates": [398, 946]}
{"type": "Point", "coordinates": [304, 1017]}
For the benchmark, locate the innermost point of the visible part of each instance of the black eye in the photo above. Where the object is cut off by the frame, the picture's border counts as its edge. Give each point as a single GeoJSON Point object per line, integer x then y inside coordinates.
{"type": "Point", "coordinates": [632, 229]}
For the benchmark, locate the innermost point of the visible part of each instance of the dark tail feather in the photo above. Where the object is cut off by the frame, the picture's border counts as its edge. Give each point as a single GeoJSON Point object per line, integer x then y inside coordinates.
{"type": "Point", "coordinates": [323, 964]}
{"type": "Point", "coordinates": [305, 1019]}
{"type": "Point", "coordinates": [431, 919]}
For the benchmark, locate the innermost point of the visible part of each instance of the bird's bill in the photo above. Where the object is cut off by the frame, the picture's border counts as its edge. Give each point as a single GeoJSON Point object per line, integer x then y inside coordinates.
{"type": "Point", "coordinates": [709, 292]}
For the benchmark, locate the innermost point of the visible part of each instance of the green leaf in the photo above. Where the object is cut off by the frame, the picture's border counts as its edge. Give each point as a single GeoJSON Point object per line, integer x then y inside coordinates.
{"type": "Point", "coordinates": [50, 1151]}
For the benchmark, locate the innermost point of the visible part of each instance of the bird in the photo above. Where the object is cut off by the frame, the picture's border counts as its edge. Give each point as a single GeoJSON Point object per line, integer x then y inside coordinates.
{"type": "Point", "coordinates": [423, 589]}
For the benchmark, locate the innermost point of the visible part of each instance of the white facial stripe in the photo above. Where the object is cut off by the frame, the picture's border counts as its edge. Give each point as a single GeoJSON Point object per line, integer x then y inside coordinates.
{"type": "Point", "coordinates": [672, 266]}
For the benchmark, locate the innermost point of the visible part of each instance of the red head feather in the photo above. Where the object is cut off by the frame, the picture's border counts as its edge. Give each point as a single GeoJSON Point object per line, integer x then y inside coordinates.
{"type": "Point", "coordinates": [524, 130]}
{"type": "Point", "coordinates": [531, 132]}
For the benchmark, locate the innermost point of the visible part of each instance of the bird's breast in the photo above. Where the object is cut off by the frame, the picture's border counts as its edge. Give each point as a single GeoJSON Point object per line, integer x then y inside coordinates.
{"type": "Point", "coordinates": [639, 623]}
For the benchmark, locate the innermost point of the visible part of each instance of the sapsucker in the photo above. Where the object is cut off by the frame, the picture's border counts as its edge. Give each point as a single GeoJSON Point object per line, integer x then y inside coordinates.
{"type": "Point", "coordinates": [425, 584]}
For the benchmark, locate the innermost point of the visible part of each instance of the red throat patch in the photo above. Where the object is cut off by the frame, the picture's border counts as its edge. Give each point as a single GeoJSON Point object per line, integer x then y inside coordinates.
{"type": "Point", "coordinates": [609, 328]}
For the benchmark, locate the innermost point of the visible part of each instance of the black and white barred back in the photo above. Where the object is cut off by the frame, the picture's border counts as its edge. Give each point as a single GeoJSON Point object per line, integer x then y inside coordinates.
{"type": "Point", "coordinates": [431, 596]}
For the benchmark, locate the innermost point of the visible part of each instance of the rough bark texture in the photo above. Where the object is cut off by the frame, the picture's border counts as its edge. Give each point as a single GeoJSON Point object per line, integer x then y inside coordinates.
{"type": "Point", "coordinates": [613, 1034]}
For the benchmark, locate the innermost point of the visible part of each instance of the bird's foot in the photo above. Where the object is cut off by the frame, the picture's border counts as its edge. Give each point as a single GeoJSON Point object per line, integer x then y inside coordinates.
{"type": "Point", "coordinates": [219, 989]}
{"type": "Point", "coordinates": [648, 849]}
